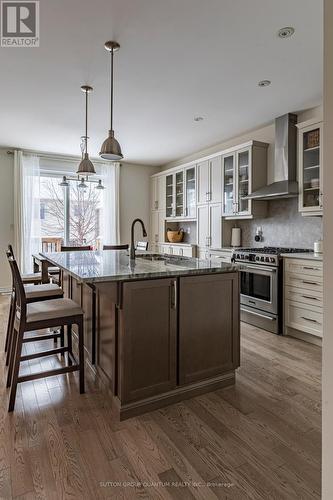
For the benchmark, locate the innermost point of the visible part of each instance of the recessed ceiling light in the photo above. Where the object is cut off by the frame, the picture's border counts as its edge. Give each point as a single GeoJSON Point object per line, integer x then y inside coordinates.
{"type": "Point", "coordinates": [286, 32]}
{"type": "Point", "coordinates": [198, 118]}
{"type": "Point", "coordinates": [264, 83]}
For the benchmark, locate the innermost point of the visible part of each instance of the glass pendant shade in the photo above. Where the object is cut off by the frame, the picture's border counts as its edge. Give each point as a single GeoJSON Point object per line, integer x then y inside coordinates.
{"type": "Point", "coordinates": [82, 184]}
{"type": "Point", "coordinates": [86, 167]}
{"type": "Point", "coordinates": [111, 149]}
{"type": "Point", "coordinates": [100, 185]}
{"type": "Point", "coordinates": [64, 182]}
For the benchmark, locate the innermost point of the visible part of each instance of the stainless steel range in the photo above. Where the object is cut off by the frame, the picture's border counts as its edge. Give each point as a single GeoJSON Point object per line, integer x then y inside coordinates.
{"type": "Point", "coordinates": [261, 274]}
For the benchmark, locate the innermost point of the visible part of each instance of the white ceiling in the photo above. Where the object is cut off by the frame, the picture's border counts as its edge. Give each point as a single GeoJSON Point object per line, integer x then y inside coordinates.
{"type": "Point", "coordinates": [178, 59]}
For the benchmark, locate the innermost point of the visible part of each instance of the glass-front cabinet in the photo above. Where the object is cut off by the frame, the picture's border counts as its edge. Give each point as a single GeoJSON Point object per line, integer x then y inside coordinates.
{"type": "Point", "coordinates": [244, 170]}
{"type": "Point", "coordinates": [229, 184]}
{"type": "Point", "coordinates": [180, 189]}
{"type": "Point", "coordinates": [310, 168]}
{"type": "Point", "coordinates": [169, 188]}
{"type": "Point", "coordinates": [190, 193]}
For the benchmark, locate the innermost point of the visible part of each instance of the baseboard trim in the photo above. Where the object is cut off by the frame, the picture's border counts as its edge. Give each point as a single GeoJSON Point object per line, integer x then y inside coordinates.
{"type": "Point", "coordinates": [175, 396]}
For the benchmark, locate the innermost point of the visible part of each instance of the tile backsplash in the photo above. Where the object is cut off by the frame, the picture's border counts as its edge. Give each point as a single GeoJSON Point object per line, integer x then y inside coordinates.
{"type": "Point", "coordinates": [283, 226]}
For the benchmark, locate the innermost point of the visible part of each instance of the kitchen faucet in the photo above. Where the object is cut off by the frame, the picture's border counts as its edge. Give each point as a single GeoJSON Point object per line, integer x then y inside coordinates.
{"type": "Point", "coordinates": [144, 232]}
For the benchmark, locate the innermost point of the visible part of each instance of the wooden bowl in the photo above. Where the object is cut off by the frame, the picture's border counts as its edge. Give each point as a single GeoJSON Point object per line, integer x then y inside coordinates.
{"type": "Point", "coordinates": [175, 236]}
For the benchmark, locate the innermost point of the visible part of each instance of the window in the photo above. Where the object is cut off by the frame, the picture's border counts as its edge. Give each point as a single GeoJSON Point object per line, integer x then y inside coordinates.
{"type": "Point", "coordinates": [69, 215]}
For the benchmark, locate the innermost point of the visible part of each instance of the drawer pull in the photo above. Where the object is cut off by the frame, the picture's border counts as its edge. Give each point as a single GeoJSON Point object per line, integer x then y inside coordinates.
{"type": "Point", "coordinates": [312, 268]}
{"type": "Point", "coordinates": [310, 298]}
{"type": "Point", "coordinates": [311, 320]}
{"type": "Point", "coordinates": [310, 283]}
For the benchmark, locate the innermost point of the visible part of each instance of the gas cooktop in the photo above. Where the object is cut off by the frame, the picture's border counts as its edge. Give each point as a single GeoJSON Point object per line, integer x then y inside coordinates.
{"type": "Point", "coordinates": [273, 250]}
{"type": "Point", "coordinates": [268, 255]}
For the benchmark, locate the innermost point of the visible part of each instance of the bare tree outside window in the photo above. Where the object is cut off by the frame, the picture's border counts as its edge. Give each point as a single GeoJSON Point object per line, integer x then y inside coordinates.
{"type": "Point", "coordinates": [83, 220]}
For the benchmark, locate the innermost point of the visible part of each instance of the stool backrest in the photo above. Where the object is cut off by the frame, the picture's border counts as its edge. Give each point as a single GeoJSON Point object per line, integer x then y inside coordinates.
{"type": "Point", "coordinates": [21, 301]}
{"type": "Point", "coordinates": [115, 247]}
{"type": "Point", "coordinates": [10, 248]}
{"type": "Point", "coordinates": [75, 249]}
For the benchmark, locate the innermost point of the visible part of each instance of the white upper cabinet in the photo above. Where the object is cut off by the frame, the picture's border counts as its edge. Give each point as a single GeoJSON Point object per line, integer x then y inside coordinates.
{"type": "Point", "coordinates": [157, 193]}
{"type": "Point", "coordinates": [244, 170]}
{"type": "Point", "coordinates": [209, 184]}
{"type": "Point", "coordinates": [209, 226]}
{"type": "Point", "coordinates": [180, 194]}
{"type": "Point", "coordinates": [203, 187]}
{"type": "Point", "coordinates": [310, 161]}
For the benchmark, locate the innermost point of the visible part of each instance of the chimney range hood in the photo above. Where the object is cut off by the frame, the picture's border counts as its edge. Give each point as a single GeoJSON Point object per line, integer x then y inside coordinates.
{"type": "Point", "coordinates": [285, 184]}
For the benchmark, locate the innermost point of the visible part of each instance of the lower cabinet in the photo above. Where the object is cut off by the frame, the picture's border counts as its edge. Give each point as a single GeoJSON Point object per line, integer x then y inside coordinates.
{"type": "Point", "coordinates": [303, 297]}
{"type": "Point", "coordinates": [182, 250]}
{"type": "Point", "coordinates": [147, 339]}
{"type": "Point", "coordinates": [208, 326]}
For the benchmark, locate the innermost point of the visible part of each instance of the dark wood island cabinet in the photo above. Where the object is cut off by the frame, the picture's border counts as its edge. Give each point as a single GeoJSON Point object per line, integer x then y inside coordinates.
{"type": "Point", "coordinates": [161, 334]}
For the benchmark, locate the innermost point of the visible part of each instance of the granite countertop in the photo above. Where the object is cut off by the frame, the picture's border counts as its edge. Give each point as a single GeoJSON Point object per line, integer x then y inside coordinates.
{"type": "Point", "coordinates": [115, 265]}
{"type": "Point", "coordinates": [305, 255]}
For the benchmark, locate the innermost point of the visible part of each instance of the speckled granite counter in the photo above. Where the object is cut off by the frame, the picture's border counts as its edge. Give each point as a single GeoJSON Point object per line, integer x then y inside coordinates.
{"type": "Point", "coordinates": [305, 256]}
{"type": "Point", "coordinates": [111, 265]}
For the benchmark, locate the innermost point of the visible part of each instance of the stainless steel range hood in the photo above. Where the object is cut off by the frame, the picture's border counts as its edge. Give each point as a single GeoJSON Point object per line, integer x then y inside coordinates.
{"type": "Point", "coordinates": [285, 184]}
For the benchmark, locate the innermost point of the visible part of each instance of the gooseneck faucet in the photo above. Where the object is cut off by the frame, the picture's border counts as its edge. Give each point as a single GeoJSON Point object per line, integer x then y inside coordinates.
{"type": "Point", "coordinates": [144, 232]}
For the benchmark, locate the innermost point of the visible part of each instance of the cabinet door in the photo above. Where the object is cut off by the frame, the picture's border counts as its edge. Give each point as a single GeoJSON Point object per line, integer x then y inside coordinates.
{"type": "Point", "coordinates": [169, 195]}
{"type": "Point", "coordinates": [215, 167]}
{"type": "Point", "coordinates": [153, 193]}
{"type": "Point", "coordinates": [243, 162]}
{"type": "Point", "coordinates": [160, 190]}
{"type": "Point", "coordinates": [203, 225]}
{"type": "Point", "coordinates": [208, 316]}
{"type": "Point", "coordinates": [310, 158]}
{"type": "Point", "coordinates": [202, 182]}
{"type": "Point", "coordinates": [190, 192]}
{"type": "Point", "coordinates": [179, 195]}
{"type": "Point", "coordinates": [147, 339]}
{"type": "Point", "coordinates": [215, 225]}
{"type": "Point", "coordinates": [161, 226]}
{"type": "Point", "coordinates": [154, 227]}
{"type": "Point", "coordinates": [228, 169]}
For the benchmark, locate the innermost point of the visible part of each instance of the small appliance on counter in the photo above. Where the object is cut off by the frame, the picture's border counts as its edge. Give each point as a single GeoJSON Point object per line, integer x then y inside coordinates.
{"type": "Point", "coordinates": [175, 236]}
{"type": "Point", "coordinates": [236, 237]}
{"type": "Point", "coordinates": [318, 246]}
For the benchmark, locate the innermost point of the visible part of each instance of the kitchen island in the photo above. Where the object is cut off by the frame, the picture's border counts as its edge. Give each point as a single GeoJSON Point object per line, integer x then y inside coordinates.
{"type": "Point", "coordinates": [158, 329]}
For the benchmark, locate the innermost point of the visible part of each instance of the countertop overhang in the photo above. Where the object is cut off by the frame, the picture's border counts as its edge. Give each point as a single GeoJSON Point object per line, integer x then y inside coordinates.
{"type": "Point", "coordinates": [115, 265]}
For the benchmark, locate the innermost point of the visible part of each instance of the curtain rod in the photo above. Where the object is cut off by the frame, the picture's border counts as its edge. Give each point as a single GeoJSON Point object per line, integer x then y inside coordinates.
{"type": "Point", "coordinates": [54, 156]}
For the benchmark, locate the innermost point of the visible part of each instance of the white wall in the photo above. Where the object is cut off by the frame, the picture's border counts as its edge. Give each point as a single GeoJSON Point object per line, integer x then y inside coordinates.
{"type": "Point", "coordinates": [327, 488]}
{"type": "Point", "coordinates": [6, 213]}
{"type": "Point", "coordinates": [134, 198]}
{"type": "Point", "coordinates": [263, 134]}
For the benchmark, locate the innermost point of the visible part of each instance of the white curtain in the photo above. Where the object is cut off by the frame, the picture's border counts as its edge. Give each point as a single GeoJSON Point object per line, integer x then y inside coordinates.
{"type": "Point", "coordinates": [110, 176]}
{"type": "Point", "coordinates": [26, 208]}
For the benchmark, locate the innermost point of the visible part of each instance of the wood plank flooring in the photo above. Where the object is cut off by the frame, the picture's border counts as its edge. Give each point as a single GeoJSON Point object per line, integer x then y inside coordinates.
{"type": "Point", "coordinates": [260, 439]}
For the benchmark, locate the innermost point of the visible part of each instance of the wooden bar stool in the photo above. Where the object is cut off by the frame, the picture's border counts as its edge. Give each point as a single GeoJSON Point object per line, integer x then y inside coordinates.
{"type": "Point", "coordinates": [34, 293]}
{"type": "Point", "coordinates": [75, 249]}
{"type": "Point", "coordinates": [39, 316]}
{"type": "Point", "coordinates": [32, 278]}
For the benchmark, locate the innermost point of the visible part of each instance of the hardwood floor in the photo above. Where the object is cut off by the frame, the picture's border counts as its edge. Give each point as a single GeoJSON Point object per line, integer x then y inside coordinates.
{"type": "Point", "coordinates": [260, 439]}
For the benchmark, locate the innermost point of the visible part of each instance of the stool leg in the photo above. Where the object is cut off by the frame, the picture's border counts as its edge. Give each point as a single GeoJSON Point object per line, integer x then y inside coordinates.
{"type": "Point", "coordinates": [16, 369]}
{"type": "Point", "coordinates": [62, 339]}
{"type": "Point", "coordinates": [11, 357]}
{"type": "Point", "coordinates": [10, 321]}
{"type": "Point", "coordinates": [69, 343]}
{"type": "Point", "coordinates": [81, 356]}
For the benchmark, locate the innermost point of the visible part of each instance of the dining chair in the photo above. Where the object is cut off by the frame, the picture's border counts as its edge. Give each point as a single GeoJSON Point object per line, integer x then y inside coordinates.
{"type": "Point", "coordinates": [39, 316]}
{"type": "Point", "coordinates": [75, 249]}
{"type": "Point", "coordinates": [115, 247]}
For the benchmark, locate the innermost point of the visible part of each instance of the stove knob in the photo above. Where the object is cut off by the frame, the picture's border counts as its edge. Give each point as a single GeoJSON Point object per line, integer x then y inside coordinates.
{"type": "Point", "coordinates": [262, 259]}
{"type": "Point", "coordinates": [272, 259]}
{"type": "Point", "coordinates": [257, 258]}
{"type": "Point", "coordinates": [267, 259]}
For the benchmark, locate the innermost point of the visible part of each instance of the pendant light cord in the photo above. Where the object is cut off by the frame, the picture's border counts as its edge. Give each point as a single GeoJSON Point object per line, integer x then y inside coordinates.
{"type": "Point", "coordinates": [86, 121]}
{"type": "Point", "coordinates": [111, 91]}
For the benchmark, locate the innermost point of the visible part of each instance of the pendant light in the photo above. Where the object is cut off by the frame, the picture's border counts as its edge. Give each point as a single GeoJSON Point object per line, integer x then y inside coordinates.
{"type": "Point", "coordinates": [86, 167]}
{"type": "Point", "coordinates": [82, 184]}
{"type": "Point", "coordinates": [100, 185]}
{"type": "Point", "coordinates": [64, 182]}
{"type": "Point", "coordinates": [111, 149]}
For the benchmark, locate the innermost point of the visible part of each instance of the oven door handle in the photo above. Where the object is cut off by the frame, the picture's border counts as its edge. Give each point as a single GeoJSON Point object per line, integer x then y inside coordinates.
{"type": "Point", "coordinates": [259, 268]}
{"type": "Point", "coordinates": [260, 315]}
